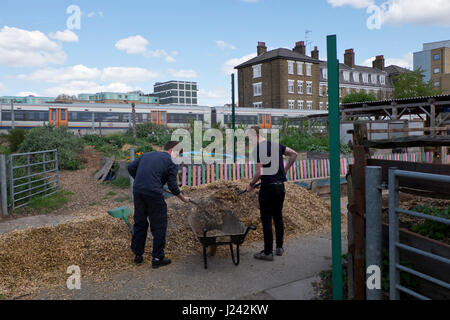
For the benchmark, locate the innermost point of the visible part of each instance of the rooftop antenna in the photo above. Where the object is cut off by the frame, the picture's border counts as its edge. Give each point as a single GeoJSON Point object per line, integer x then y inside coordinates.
{"type": "Point", "coordinates": [307, 42]}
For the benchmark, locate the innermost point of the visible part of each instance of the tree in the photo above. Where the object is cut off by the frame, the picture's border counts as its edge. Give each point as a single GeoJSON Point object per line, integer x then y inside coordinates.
{"type": "Point", "coordinates": [410, 84]}
{"type": "Point", "coordinates": [358, 97]}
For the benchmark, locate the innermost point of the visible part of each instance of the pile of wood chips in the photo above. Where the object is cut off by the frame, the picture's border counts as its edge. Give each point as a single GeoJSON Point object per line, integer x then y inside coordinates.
{"type": "Point", "coordinates": [36, 259]}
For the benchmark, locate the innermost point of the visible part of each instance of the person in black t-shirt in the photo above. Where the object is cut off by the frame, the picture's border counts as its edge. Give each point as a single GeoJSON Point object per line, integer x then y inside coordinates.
{"type": "Point", "coordinates": [271, 171]}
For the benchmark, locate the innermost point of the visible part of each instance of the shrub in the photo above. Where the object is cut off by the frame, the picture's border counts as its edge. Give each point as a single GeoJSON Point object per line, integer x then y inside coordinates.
{"type": "Point", "coordinates": [152, 133]}
{"type": "Point", "coordinates": [49, 138]}
{"type": "Point", "coordinates": [15, 138]}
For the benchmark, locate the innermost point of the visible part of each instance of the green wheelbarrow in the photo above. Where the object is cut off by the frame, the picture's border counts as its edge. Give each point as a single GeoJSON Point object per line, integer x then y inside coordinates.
{"type": "Point", "coordinates": [122, 213]}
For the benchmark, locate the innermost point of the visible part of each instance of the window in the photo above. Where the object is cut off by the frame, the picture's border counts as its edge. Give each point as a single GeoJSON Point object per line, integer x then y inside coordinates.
{"type": "Point", "coordinates": [373, 77]}
{"type": "Point", "coordinates": [437, 83]}
{"type": "Point", "coordinates": [291, 67]}
{"type": "Point", "coordinates": [437, 57]}
{"type": "Point", "coordinates": [291, 86]}
{"type": "Point", "coordinates": [257, 89]}
{"type": "Point", "coordinates": [257, 71]}
{"type": "Point", "coordinates": [300, 87]}
{"type": "Point", "coordinates": [320, 90]}
{"type": "Point", "coordinates": [291, 104]}
{"type": "Point", "coordinates": [327, 105]}
{"type": "Point", "coordinates": [300, 68]}
{"type": "Point", "coordinates": [308, 69]}
{"type": "Point", "coordinates": [257, 105]}
{"type": "Point", "coordinates": [301, 104]}
{"type": "Point", "coordinates": [355, 76]}
{"type": "Point", "coordinates": [308, 87]}
{"type": "Point", "coordinates": [325, 73]}
{"type": "Point", "coordinates": [383, 80]}
{"type": "Point", "coordinates": [320, 105]}
{"type": "Point", "coordinates": [346, 76]}
{"type": "Point", "coordinates": [436, 70]}
{"type": "Point", "coordinates": [365, 77]}
{"type": "Point", "coordinates": [309, 105]}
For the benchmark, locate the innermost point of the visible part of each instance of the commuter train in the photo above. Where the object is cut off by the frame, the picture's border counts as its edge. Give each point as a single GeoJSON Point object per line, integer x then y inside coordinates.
{"type": "Point", "coordinates": [118, 117]}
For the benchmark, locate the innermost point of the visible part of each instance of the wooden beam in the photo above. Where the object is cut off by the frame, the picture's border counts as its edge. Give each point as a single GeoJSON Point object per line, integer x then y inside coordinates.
{"type": "Point", "coordinates": [409, 130]}
{"type": "Point", "coordinates": [410, 141]}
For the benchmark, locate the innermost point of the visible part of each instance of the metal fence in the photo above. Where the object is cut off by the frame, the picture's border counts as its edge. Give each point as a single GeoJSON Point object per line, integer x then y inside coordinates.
{"type": "Point", "coordinates": [394, 244]}
{"type": "Point", "coordinates": [32, 174]}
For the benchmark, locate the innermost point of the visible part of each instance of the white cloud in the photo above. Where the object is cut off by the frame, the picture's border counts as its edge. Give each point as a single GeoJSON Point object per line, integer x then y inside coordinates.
{"type": "Point", "coordinates": [91, 14]}
{"type": "Point", "coordinates": [429, 12]}
{"type": "Point", "coordinates": [26, 94]}
{"type": "Point", "coordinates": [64, 36]}
{"type": "Point", "coordinates": [83, 73]}
{"type": "Point", "coordinates": [214, 97]}
{"type": "Point", "coordinates": [228, 66]}
{"type": "Point", "coordinates": [124, 74]}
{"type": "Point", "coordinates": [405, 62]}
{"type": "Point", "coordinates": [23, 48]}
{"type": "Point", "coordinates": [183, 73]}
{"type": "Point", "coordinates": [359, 4]}
{"type": "Point", "coordinates": [2, 87]}
{"type": "Point", "coordinates": [77, 87]}
{"type": "Point", "coordinates": [250, 1]}
{"type": "Point", "coordinates": [222, 45]}
{"type": "Point", "coordinates": [133, 45]}
{"type": "Point", "coordinates": [138, 45]}
{"type": "Point", "coordinates": [57, 75]}
{"type": "Point", "coordinates": [433, 12]}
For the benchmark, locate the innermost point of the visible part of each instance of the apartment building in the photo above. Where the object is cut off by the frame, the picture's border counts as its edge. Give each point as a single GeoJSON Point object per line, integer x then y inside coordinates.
{"type": "Point", "coordinates": [136, 97]}
{"type": "Point", "coordinates": [26, 100]}
{"type": "Point", "coordinates": [181, 93]}
{"type": "Point", "coordinates": [434, 60]}
{"type": "Point", "coordinates": [290, 79]}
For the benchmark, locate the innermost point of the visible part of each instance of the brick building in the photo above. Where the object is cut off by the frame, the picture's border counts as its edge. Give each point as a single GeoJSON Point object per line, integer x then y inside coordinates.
{"type": "Point", "coordinates": [290, 79]}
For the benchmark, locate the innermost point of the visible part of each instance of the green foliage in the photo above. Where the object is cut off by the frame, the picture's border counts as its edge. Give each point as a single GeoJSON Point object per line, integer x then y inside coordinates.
{"type": "Point", "coordinates": [15, 137]}
{"type": "Point", "coordinates": [4, 150]}
{"type": "Point", "coordinates": [144, 148]}
{"type": "Point", "coordinates": [121, 182]}
{"type": "Point", "coordinates": [406, 279]}
{"type": "Point", "coordinates": [291, 137]}
{"type": "Point", "coordinates": [410, 84]}
{"type": "Point", "coordinates": [151, 133]}
{"type": "Point", "coordinates": [432, 229]}
{"type": "Point", "coordinates": [49, 138]}
{"type": "Point", "coordinates": [359, 97]}
{"type": "Point", "coordinates": [51, 203]}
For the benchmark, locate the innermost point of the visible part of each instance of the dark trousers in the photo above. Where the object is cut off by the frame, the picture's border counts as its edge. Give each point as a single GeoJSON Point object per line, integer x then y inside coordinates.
{"type": "Point", "coordinates": [271, 200]}
{"type": "Point", "coordinates": [154, 210]}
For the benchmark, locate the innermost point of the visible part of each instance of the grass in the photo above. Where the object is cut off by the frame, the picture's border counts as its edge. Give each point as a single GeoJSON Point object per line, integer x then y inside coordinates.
{"type": "Point", "coordinates": [51, 203]}
{"type": "Point", "coordinates": [109, 194]}
{"type": "Point", "coordinates": [120, 182]}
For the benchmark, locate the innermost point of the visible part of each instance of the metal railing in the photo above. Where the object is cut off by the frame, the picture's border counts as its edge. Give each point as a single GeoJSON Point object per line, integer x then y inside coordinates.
{"type": "Point", "coordinates": [32, 174]}
{"type": "Point", "coordinates": [394, 244]}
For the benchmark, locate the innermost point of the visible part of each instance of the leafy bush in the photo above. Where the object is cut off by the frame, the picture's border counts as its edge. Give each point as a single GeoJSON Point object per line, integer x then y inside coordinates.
{"type": "Point", "coordinates": [15, 138]}
{"type": "Point", "coordinates": [49, 138]}
{"type": "Point", "coordinates": [152, 133]}
{"type": "Point", "coordinates": [432, 229]}
{"type": "Point", "coordinates": [359, 97]}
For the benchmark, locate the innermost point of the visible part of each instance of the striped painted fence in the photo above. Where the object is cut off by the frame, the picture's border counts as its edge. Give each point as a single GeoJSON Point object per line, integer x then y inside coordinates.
{"type": "Point", "coordinates": [195, 175]}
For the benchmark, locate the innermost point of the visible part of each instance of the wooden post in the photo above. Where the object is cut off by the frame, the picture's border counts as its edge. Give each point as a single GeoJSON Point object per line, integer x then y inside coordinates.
{"type": "Point", "coordinates": [360, 154]}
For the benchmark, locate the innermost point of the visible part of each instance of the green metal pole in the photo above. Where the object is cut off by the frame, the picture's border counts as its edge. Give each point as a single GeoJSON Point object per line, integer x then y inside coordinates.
{"type": "Point", "coordinates": [333, 114]}
{"type": "Point", "coordinates": [233, 116]}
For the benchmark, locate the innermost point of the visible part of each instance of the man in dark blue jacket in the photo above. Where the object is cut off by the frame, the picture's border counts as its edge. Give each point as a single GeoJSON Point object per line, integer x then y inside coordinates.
{"type": "Point", "coordinates": [151, 172]}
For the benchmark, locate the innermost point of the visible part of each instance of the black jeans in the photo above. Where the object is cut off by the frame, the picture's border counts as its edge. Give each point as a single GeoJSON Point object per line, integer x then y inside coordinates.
{"type": "Point", "coordinates": [271, 200]}
{"type": "Point", "coordinates": [154, 210]}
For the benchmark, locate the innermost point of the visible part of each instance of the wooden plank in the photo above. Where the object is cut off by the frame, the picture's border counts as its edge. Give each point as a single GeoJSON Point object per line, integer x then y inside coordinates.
{"type": "Point", "coordinates": [437, 187]}
{"type": "Point", "coordinates": [408, 130]}
{"type": "Point", "coordinates": [410, 141]}
{"type": "Point", "coordinates": [103, 173]}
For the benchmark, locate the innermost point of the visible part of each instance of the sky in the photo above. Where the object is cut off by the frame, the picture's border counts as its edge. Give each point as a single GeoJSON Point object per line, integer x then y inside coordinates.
{"type": "Point", "coordinates": [52, 47]}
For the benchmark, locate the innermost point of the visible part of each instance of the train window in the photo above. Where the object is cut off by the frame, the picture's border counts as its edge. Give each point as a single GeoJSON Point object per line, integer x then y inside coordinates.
{"type": "Point", "coordinates": [111, 117]}
{"type": "Point", "coordinates": [53, 115]}
{"type": "Point", "coordinates": [6, 115]}
{"type": "Point", "coordinates": [63, 115]}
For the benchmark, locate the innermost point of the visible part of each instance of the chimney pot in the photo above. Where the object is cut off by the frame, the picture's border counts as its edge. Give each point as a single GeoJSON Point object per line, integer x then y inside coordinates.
{"type": "Point", "coordinates": [261, 49]}
{"type": "Point", "coordinates": [300, 47]}
{"type": "Point", "coordinates": [349, 58]}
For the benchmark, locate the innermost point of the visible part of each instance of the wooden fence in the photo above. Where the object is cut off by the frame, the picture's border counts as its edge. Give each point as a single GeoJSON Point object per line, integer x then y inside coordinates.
{"type": "Point", "coordinates": [195, 175]}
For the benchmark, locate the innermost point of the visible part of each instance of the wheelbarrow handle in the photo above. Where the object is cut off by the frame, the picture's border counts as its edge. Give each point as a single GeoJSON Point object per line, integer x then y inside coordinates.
{"type": "Point", "coordinates": [244, 191]}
